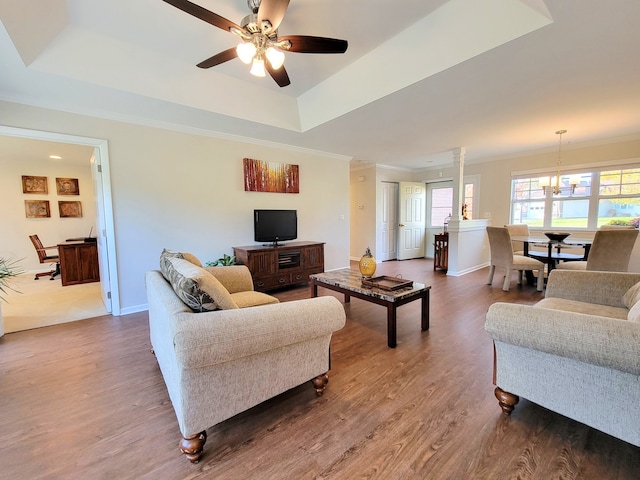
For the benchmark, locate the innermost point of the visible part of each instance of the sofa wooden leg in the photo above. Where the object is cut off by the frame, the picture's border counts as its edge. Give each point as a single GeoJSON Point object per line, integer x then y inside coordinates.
{"type": "Point", "coordinates": [320, 383]}
{"type": "Point", "coordinates": [192, 446]}
{"type": "Point", "coordinates": [506, 400]}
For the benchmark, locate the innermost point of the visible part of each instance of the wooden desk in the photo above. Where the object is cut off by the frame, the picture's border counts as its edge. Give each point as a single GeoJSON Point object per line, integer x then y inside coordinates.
{"type": "Point", "coordinates": [78, 262]}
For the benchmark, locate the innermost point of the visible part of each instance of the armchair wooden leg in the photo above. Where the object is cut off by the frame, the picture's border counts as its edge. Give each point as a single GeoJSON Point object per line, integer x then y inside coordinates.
{"type": "Point", "coordinates": [320, 383]}
{"type": "Point", "coordinates": [506, 400]}
{"type": "Point", "coordinates": [192, 446]}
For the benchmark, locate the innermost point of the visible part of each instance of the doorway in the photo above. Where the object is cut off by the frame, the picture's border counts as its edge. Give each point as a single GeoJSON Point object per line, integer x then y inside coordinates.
{"type": "Point", "coordinates": [439, 207]}
{"type": "Point", "coordinates": [104, 210]}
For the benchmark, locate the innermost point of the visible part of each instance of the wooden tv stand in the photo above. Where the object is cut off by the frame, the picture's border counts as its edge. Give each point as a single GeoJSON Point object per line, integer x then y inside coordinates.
{"type": "Point", "coordinates": [281, 266]}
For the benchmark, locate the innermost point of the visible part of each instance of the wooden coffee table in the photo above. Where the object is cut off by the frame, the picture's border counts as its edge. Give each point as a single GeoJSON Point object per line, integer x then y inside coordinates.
{"type": "Point", "coordinates": [349, 282]}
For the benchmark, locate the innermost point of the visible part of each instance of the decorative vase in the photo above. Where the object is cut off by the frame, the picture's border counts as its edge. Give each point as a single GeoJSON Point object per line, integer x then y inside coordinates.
{"type": "Point", "coordinates": [367, 264]}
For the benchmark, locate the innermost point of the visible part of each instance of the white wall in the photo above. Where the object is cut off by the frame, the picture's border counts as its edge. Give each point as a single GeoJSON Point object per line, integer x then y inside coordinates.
{"type": "Point", "coordinates": [495, 183]}
{"type": "Point", "coordinates": [185, 191]}
{"type": "Point", "coordinates": [15, 241]}
{"type": "Point", "coordinates": [495, 197]}
{"type": "Point", "coordinates": [363, 208]}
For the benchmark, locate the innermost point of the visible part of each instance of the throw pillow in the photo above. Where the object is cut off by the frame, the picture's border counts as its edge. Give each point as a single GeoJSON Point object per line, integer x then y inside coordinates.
{"type": "Point", "coordinates": [164, 265]}
{"type": "Point", "coordinates": [196, 287]}
{"type": "Point", "coordinates": [634, 313]}
{"type": "Point", "coordinates": [632, 296]}
{"type": "Point", "coordinates": [173, 254]}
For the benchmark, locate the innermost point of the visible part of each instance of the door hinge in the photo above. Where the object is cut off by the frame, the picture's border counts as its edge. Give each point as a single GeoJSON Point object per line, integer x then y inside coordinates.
{"type": "Point", "coordinates": [109, 295]}
{"type": "Point", "coordinates": [99, 168]}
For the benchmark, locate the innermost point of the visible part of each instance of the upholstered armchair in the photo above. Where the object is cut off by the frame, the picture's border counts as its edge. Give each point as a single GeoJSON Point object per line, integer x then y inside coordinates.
{"type": "Point", "coordinates": [576, 352]}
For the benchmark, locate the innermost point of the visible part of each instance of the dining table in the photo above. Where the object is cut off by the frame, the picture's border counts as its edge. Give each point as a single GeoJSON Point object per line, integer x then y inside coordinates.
{"type": "Point", "coordinates": [553, 248]}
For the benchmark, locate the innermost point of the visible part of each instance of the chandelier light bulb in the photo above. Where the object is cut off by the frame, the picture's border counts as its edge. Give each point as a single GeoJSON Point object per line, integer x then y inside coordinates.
{"type": "Point", "coordinates": [245, 52]}
{"type": "Point", "coordinates": [257, 69]}
{"type": "Point", "coordinates": [275, 57]}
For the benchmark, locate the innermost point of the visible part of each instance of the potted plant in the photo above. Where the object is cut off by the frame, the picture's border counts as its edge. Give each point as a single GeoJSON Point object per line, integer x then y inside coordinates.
{"type": "Point", "coordinates": [8, 270]}
{"type": "Point", "coordinates": [224, 261]}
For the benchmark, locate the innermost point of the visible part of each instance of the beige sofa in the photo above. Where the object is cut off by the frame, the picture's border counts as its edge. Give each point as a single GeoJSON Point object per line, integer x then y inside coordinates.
{"type": "Point", "coordinates": [576, 352]}
{"type": "Point", "coordinates": [219, 363]}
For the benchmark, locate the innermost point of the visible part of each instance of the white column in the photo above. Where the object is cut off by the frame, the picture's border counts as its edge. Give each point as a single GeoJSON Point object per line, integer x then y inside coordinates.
{"type": "Point", "coordinates": [456, 214]}
{"type": "Point", "coordinates": [458, 183]}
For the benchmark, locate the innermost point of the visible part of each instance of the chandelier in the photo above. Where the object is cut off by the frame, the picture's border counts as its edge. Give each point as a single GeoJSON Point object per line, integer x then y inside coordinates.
{"type": "Point", "coordinates": [545, 182]}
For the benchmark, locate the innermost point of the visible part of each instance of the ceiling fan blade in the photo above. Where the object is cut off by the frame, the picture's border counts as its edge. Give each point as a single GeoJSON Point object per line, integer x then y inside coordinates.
{"type": "Point", "coordinates": [272, 10]}
{"type": "Point", "coordinates": [203, 14]}
{"type": "Point", "coordinates": [280, 76]}
{"type": "Point", "coordinates": [307, 44]}
{"type": "Point", "coordinates": [219, 58]}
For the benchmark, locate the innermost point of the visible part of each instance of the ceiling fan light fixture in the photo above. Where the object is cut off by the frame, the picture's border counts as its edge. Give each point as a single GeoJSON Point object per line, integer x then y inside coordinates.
{"type": "Point", "coordinates": [246, 52]}
{"type": "Point", "coordinates": [275, 57]}
{"type": "Point", "coordinates": [257, 68]}
{"type": "Point", "coordinates": [258, 32]}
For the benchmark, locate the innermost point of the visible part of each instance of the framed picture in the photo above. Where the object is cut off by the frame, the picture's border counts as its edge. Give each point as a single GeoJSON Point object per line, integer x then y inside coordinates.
{"type": "Point", "coordinates": [70, 209]}
{"type": "Point", "coordinates": [67, 186]}
{"type": "Point", "coordinates": [37, 185]}
{"type": "Point", "coordinates": [261, 176]}
{"type": "Point", "coordinates": [37, 208]}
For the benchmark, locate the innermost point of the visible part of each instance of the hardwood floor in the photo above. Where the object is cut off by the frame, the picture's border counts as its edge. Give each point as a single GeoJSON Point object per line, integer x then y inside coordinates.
{"type": "Point", "coordinates": [87, 400]}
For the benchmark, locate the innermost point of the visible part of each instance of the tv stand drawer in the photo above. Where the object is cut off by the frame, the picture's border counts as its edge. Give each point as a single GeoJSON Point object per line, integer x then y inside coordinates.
{"type": "Point", "coordinates": [269, 283]}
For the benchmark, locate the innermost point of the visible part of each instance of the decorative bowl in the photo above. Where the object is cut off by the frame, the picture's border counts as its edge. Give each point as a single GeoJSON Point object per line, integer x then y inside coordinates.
{"type": "Point", "coordinates": [557, 236]}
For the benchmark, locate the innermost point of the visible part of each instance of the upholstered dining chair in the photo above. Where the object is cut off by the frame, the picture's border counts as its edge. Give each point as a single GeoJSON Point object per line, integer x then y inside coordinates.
{"type": "Point", "coordinates": [502, 256]}
{"type": "Point", "coordinates": [518, 230]}
{"type": "Point", "coordinates": [610, 251]}
{"type": "Point", "coordinates": [46, 258]}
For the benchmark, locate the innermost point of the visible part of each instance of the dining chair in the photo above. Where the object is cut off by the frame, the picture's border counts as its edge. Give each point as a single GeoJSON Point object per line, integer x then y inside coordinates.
{"type": "Point", "coordinates": [502, 256]}
{"type": "Point", "coordinates": [610, 251]}
{"type": "Point", "coordinates": [518, 230]}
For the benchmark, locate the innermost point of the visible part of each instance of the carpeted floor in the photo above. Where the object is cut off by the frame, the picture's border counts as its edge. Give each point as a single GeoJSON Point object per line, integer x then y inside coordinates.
{"type": "Point", "coordinates": [46, 302]}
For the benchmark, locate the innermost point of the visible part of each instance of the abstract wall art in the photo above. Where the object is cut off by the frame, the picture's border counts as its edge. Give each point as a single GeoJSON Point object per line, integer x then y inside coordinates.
{"type": "Point", "coordinates": [261, 176]}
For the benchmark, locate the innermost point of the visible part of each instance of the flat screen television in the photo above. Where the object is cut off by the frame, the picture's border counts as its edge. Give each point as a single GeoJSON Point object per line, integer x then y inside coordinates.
{"type": "Point", "coordinates": [273, 226]}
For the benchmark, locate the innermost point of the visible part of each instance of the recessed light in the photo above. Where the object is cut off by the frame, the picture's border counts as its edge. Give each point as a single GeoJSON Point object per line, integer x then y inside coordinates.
{"type": "Point", "coordinates": [55, 157]}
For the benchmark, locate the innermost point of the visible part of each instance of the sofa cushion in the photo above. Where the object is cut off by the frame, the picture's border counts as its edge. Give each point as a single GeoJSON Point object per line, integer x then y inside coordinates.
{"type": "Point", "coordinates": [632, 296]}
{"type": "Point", "coordinates": [555, 303]}
{"type": "Point", "coordinates": [252, 299]}
{"type": "Point", "coordinates": [196, 287]}
{"type": "Point", "coordinates": [189, 257]}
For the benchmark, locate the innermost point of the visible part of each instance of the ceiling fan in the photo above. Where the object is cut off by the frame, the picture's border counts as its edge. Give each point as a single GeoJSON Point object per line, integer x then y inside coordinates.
{"type": "Point", "coordinates": [260, 39]}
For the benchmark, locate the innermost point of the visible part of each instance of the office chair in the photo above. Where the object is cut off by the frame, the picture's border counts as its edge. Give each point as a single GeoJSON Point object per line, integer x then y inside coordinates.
{"type": "Point", "coordinates": [44, 258]}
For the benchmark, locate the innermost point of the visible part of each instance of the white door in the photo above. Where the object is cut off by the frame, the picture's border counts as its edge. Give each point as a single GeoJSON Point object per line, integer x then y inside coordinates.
{"type": "Point", "coordinates": [412, 220]}
{"type": "Point", "coordinates": [388, 248]}
{"type": "Point", "coordinates": [96, 174]}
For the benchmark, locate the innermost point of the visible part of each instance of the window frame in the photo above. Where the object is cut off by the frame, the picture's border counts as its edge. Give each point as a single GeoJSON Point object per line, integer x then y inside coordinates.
{"type": "Point", "coordinates": [593, 198]}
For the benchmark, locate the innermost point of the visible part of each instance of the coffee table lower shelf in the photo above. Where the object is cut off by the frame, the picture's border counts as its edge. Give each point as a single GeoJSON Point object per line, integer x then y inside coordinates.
{"type": "Point", "coordinates": [348, 282]}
